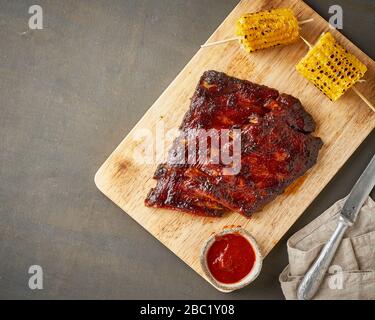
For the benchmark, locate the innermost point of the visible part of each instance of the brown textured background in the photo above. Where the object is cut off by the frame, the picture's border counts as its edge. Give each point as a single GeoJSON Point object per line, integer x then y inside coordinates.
{"type": "Point", "coordinates": [64, 108]}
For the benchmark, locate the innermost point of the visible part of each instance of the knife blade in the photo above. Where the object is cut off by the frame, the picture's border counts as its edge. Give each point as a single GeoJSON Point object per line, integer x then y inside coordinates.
{"type": "Point", "coordinates": [359, 193]}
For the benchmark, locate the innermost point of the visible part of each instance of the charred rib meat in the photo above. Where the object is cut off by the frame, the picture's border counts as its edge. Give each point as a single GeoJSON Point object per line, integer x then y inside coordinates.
{"type": "Point", "coordinates": [276, 148]}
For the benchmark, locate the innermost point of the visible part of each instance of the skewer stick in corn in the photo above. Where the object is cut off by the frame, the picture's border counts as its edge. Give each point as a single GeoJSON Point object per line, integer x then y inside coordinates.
{"type": "Point", "coordinates": [305, 41]}
{"type": "Point", "coordinates": [265, 29]}
{"type": "Point", "coordinates": [302, 22]}
{"type": "Point", "coordinates": [220, 42]}
{"type": "Point", "coordinates": [365, 100]}
{"type": "Point", "coordinates": [331, 68]}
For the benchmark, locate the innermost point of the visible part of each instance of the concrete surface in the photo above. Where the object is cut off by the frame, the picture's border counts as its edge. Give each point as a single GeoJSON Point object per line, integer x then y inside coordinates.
{"type": "Point", "coordinates": [69, 94]}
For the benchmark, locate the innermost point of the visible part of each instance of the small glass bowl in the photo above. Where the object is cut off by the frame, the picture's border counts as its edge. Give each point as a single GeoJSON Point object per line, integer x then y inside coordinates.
{"type": "Point", "coordinates": [250, 277]}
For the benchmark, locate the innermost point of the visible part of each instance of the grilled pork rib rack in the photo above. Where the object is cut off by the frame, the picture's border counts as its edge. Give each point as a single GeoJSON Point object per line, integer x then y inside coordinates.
{"type": "Point", "coordinates": [276, 148]}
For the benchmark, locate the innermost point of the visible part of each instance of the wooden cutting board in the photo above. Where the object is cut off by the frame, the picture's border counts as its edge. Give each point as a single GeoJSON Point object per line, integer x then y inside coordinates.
{"type": "Point", "coordinates": [342, 125]}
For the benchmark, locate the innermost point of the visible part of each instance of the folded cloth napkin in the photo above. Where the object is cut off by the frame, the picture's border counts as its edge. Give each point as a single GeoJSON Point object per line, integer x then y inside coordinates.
{"type": "Point", "coordinates": [352, 271]}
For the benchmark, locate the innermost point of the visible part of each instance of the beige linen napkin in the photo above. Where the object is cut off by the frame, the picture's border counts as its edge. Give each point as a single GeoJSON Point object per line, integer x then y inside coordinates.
{"type": "Point", "coordinates": [352, 272]}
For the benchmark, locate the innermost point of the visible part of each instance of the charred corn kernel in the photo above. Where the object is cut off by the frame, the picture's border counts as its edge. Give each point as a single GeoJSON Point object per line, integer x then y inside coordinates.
{"type": "Point", "coordinates": [330, 67]}
{"type": "Point", "coordinates": [265, 29]}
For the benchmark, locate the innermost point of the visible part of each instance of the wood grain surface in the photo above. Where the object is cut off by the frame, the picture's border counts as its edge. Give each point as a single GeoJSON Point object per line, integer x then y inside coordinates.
{"type": "Point", "coordinates": [342, 125]}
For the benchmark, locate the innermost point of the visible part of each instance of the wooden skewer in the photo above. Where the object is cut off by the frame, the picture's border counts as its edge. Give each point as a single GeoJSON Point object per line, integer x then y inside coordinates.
{"type": "Point", "coordinates": [359, 94]}
{"type": "Point", "coordinates": [239, 38]}
{"type": "Point", "coordinates": [220, 42]}
{"type": "Point", "coordinates": [305, 41]}
{"type": "Point", "coordinates": [302, 22]}
{"type": "Point", "coordinates": [364, 99]}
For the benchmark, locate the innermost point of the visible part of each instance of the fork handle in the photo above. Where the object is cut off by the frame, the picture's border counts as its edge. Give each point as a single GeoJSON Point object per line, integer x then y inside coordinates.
{"type": "Point", "coordinates": [314, 277]}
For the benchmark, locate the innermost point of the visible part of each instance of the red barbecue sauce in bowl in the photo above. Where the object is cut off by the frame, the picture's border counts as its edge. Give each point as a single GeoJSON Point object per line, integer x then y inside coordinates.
{"type": "Point", "coordinates": [230, 258]}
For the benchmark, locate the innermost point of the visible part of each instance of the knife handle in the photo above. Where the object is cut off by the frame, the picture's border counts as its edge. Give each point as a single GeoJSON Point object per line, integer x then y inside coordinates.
{"type": "Point", "coordinates": [314, 277]}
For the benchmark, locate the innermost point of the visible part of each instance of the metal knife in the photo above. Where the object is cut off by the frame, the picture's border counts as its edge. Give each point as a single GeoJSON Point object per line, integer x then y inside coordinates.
{"type": "Point", "coordinates": [349, 213]}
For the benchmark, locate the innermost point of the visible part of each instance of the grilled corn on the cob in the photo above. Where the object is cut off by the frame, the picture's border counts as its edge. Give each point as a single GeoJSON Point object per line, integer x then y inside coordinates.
{"type": "Point", "coordinates": [261, 30]}
{"type": "Point", "coordinates": [330, 67]}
